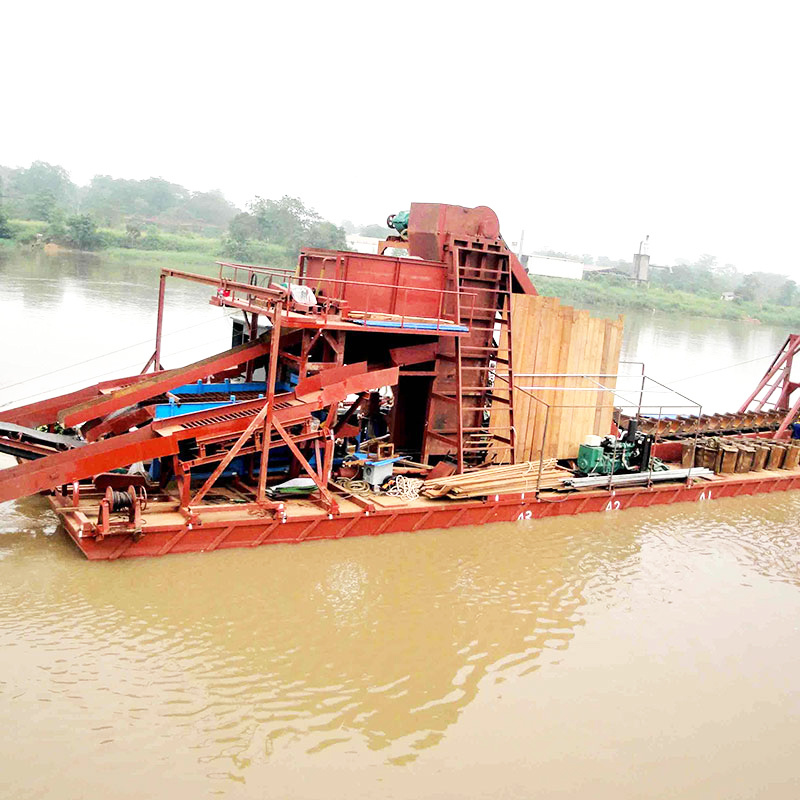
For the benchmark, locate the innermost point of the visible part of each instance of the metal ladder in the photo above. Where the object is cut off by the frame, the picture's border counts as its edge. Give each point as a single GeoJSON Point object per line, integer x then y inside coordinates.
{"type": "Point", "coordinates": [468, 382]}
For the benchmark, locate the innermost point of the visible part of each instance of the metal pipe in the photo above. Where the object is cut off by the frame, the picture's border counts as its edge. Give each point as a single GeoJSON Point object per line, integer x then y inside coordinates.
{"type": "Point", "coordinates": [272, 377]}
{"type": "Point", "coordinates": [162, 285]}
{"type": "Point", "coordinates": [633, 478]}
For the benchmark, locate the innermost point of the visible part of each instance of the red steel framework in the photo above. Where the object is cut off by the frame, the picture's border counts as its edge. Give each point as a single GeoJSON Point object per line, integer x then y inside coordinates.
{"type": "Point", "coordinates": [325, 336]}
{"type": "Point", "coordinates": [776, 388]}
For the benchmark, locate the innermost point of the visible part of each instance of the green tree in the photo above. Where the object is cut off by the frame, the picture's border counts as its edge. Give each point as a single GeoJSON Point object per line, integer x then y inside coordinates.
{"type": "Point", "coordinates": [211, 208]}
{"type": "Point", "coordinates": [764, 287]}
{"type": "Point", "coordinates": [56, 230]}
{"type": "Point", "coordinates": [751, 288]}
{"type": "Point", "coordinates": [244, 226]}
{"type": "Point", "coordinates": [376, 231]}
{"type": "Point", "coordinates": [81, 232]}
{"type": "Point", "coordinates": [112, 199]}
{"type": "Point", "coordinates": [5, 228]}
{"type": "Point", "coordinates": [42, 186]}
{"type": "Point", "coordinates": [326, 235]}
{"type": "Point", "coordinates": [787, 294]}
{"type": "Point", "coordinates": [283, 221]}
{"type": "Point", "coordinates": [159, 195]}
{"type": "Point", "coordinates": [42, 205]}
{"type": "Point", "coordinates": [109, 199]}
{"type": "Point", "coordinates": [133, 233]}
{"type": "Point", "coordinates": [287, 223]}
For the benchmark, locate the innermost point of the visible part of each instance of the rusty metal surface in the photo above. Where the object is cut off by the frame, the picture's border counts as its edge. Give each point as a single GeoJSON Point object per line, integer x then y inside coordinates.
{"type": "Point", "coordinates": [432, 227]}
{"type": "Point", "coordinates": [158, 383]}
{"type": "Point", "coordinates": [247, 531]}
{"type": "Point", "coordinates": [163, 437]}
{"type": "Point", "coordinates": [667, 427]}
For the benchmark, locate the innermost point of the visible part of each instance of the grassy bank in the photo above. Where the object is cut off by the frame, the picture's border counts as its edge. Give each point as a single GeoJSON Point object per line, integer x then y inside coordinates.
{"type": "Point", "coordinates": [161, 258]}
{"type": "Point", "coordinates": [593, 293]}
{"type": "Point", "coordinates": [149, 247]}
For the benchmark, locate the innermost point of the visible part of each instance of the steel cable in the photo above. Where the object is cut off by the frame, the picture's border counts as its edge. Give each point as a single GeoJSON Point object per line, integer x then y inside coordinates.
{"type": "Point", "coordinates": [720, 369]}
{"type": "Point", "coordinates": [99, 375]}
{"type": "Point", "coordinates": [105, 355]}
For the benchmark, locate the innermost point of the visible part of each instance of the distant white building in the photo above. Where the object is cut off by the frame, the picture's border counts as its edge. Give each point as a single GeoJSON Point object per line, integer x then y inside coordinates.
{"type": "Point", "coordinates": [554, 267]}
{"type": "Point", "coordinates": [362, 244]}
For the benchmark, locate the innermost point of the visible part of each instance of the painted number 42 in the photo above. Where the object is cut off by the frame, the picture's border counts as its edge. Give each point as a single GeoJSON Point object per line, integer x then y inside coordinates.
{"type": "Point", "coordinates": [613, 505]}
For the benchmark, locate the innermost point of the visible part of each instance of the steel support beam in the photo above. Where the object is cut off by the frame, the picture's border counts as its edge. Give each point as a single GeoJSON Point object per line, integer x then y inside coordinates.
{"type": "Point", "coordinates": [158, 383]}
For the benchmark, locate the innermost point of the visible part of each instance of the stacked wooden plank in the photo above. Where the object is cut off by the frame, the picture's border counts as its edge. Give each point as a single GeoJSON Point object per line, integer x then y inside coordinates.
{"type": "Point", "coordinates": [522, 477]}
{"type": "Point", "coordinates": [550, 339]}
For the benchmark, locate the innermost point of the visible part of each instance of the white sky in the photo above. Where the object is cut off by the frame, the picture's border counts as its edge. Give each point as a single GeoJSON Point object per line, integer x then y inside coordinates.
{"type": "Point", "coordinates": [588, 124]}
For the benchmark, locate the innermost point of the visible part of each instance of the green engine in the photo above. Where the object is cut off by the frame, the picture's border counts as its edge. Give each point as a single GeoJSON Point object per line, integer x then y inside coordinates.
{"type": "Point", "coordinates": [603, 460]}
{"type": "Point", "coordinates": [611, 455]}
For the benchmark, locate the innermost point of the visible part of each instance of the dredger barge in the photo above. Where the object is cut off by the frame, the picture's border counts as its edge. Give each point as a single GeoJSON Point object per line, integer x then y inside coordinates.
{"type": "Point", "coordinates": [367, 394]}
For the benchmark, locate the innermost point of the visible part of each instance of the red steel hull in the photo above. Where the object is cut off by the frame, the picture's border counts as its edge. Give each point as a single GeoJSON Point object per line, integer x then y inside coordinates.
{"type": "Point", "coordinates": [251, 531]}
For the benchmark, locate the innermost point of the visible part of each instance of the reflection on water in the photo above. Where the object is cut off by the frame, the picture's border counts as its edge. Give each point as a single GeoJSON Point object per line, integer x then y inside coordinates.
{"type": "Point", "coordinates": [695, 355]}
{"type": "Point", "coordinates": [378, 643]}
{"type": "Point", "coordinates": [365, 655]}
{"type": "Point", "coordinates": [62, 315]}
{"type": "Point", "coordinates": [647, 654]}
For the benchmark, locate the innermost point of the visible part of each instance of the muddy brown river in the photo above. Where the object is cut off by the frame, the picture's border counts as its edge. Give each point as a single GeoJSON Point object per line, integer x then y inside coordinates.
{"type": "Point", "coordinates": [648, 654]}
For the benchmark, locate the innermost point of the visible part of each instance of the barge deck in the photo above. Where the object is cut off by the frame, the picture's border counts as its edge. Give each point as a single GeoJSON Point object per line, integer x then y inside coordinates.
{"type": "Point", "coordinates": [166, 531]}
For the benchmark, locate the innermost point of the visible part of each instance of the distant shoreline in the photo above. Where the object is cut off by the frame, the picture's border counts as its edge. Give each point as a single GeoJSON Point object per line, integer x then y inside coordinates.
{"type": "Point", "coordinates": [587, 294]}
{"type": "Point", "coordinates": [590, 294]}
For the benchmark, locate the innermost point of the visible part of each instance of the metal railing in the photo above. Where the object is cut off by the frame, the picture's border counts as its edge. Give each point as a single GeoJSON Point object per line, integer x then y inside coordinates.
{"type": "Point", "coordinates": [232, 277]}
{"type": "Point", "coordinates": [634, 398]}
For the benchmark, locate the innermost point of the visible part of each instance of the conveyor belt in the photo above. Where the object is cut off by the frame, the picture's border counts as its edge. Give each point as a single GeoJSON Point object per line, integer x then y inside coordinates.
{"type": "Point", "coordinates": [56, 440]}
{"type": "Point", "coordinates": [160, 382]}
{"type": "Point", "coordinates": [164, 437]}
{"type": "Point", "coordinates": [28, 443]}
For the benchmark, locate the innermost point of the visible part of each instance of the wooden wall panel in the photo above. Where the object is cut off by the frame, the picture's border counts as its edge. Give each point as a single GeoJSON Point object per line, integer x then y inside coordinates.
{"type": "Point", "coordinates": [548, 339]}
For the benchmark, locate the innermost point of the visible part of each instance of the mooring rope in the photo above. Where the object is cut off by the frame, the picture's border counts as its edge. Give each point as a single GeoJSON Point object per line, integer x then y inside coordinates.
{"type": "Point", "coordinates": [407, 488]}
{"type": "Point", "coordinates": [353, 486]}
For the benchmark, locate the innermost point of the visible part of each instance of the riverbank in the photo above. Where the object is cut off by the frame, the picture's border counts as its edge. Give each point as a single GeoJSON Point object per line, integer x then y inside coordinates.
{"type": "Point", "coordinates": [590, 294]}
{"type": "Point", "coordinates": [160, 249]}
{"type": "Point", "coordinates": [127, 256]}
{"type": "Point", "coordinates": [148, 247]}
